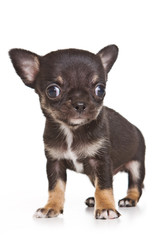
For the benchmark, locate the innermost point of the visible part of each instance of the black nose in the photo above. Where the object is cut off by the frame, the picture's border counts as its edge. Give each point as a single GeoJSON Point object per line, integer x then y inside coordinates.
{"type": "Point", "coordinates": [80, 107]}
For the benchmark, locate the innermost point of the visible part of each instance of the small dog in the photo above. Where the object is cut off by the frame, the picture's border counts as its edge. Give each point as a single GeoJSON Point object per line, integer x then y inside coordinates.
{"type": "Point", "coordinates": [80, 133]}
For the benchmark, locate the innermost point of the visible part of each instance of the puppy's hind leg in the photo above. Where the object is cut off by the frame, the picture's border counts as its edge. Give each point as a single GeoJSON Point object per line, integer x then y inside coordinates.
{"type": "Point", "coordinates": [136, 173]}
{"type": "Point", "coordinates": [134, 186]}
{"type": "Point", "coordinates": [90, 202]}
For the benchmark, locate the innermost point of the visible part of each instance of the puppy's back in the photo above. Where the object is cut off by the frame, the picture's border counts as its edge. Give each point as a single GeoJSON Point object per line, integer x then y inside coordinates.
{"type": "Point", "coordinates": [126, 140]}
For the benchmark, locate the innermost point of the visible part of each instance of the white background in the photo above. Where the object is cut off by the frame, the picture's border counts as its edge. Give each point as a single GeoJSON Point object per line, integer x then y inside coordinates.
{"type": "Point", "coordinates": [132, 89]}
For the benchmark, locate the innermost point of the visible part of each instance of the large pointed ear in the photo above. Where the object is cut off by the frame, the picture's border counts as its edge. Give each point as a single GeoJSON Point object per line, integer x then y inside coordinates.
{"type": "Point", "coordinates": [26, 65]}
{"type": "Point", "coordinates": [108, 56]}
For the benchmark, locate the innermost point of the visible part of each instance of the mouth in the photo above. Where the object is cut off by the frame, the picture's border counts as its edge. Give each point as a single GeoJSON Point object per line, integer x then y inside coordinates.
{"type": "Point", "coordinates": [74, 122]}
{"type": "Point", "coordinates": [82, 119]}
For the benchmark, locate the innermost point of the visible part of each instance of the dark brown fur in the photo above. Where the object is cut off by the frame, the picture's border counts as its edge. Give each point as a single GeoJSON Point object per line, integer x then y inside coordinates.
{"type": "Point", "coordinates": [81, 133]}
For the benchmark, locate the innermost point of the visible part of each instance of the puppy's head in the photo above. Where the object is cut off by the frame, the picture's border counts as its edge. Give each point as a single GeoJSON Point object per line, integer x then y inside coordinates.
{"type": "Point", "coordinates": [70, 83]}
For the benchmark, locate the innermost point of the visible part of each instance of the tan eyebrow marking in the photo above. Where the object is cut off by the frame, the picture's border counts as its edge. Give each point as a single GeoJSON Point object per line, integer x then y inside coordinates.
{"type": "Point", "coordinates": [95, 79]}
{"type": "Point", "coordinates": [60, 80]}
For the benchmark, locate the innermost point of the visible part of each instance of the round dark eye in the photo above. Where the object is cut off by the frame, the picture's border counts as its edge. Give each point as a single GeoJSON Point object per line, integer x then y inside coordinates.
{"type": "Point", "coordinates": [100, 91]}
{"type": "Point", "coordinates": [53, 91]}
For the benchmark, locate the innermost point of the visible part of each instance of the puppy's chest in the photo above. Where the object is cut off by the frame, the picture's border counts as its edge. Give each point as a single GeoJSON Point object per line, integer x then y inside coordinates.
{"type": "Point", "coordinates": [75, 149]}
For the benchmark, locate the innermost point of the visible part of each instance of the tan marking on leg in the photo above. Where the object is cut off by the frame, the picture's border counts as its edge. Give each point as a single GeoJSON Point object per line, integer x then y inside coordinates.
{"type": "Point", "coordinates": [104, 198]}
{"type": "Point", "coordinates": [55, 202]}
{"type": "Point", "coordinates": [133, 194]}
{"type": "Point", "coordinates": [56, 197]}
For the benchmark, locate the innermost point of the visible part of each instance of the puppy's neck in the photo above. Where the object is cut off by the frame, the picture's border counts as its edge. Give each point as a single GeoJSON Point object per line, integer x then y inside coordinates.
{"type": "Point", "coordinates": [90, 126]}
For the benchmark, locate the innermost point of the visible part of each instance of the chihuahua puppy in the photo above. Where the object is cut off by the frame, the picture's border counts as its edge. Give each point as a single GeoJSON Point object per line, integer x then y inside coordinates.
{"type": "Point", "coordinates": [80, 133]}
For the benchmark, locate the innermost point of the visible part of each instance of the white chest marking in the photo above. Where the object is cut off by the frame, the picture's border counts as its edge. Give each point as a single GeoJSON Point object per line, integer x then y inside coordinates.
{"type": "Point", "coordinates": [69, 154]}
{"type": "Point", "coordinates": [86, 150]}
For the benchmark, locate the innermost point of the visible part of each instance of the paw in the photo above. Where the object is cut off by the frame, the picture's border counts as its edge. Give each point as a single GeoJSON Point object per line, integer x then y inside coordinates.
{"type": "Point", "coordinates": [90, 202]}
{"type": "Point", "coordinates": [127, 202]}
{"type": "Point", "coordinates": [107, 214]}
{"type": "Point", "coordinates": [47, 213]}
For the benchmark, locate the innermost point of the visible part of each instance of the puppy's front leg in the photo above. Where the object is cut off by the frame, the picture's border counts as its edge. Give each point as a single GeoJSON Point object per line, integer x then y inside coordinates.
{"type": "Point", "coordinates": [56, 173]}
{"type": "Point", "coordinates": [104, 200]}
